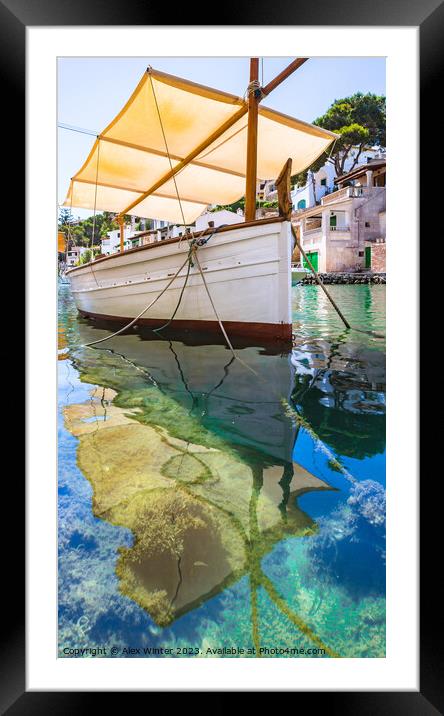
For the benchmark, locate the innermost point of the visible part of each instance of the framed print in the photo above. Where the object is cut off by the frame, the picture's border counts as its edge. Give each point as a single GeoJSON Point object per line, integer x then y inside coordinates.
{"type": "Point", "coordinates": [214, 473]}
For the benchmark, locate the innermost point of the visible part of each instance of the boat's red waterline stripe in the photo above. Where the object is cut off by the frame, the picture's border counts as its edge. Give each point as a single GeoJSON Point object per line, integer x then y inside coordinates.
{"type": "Point", "coordinates": [262, 332]}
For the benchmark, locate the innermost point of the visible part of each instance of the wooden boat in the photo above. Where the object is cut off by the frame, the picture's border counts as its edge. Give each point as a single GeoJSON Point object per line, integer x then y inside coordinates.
{"type": "Point", "coordinates": [193, 146]}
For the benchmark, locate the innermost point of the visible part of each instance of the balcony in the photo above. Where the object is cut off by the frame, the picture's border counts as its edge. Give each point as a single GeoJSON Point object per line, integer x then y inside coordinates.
{"type": "Point", "coordinates": [314, 230]}
{"type": "Point", "coordinates": [347, 192]}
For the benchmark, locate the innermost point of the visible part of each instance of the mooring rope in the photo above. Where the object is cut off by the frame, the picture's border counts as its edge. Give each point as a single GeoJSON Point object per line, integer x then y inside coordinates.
{"type": "Point", "coordinates": [321, 284]}
{"type": "Point", "coordinates": [221, 325]}
{"type": "Point", "coordinates": [190, 263]}
{"type": "Point", "coordinates": [134, 320]}
{"type": "Point", "coordinates": [166, 145]}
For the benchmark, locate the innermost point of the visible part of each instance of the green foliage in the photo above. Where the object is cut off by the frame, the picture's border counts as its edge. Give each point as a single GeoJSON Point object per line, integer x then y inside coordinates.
{"type": "Point", "coordinates": [86, 256]}
{"type": "Point", "coordinates": [360, 122]}
{"type": "Point", "coordinates": [65, 218]}
{"type": "Point", "coordinates": [81, 232]}
{"type": "Point", "coordinates": [240, 204]}
{"type": "Point", "coordinates": [299, 180]}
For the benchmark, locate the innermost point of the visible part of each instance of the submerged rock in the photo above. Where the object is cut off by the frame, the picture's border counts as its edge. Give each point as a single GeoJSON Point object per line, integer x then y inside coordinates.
{"type": "Point", "coordinates": [200, 516]}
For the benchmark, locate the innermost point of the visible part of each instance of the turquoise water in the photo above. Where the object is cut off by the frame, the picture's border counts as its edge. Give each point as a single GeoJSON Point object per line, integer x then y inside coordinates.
{"type": "Point", "coordinates": [205, 509]}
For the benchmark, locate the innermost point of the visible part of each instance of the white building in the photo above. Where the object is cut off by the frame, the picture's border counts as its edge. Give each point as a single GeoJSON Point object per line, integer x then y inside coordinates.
{"type": "Point", "coordinates": [111, 245]}
{"type": "Point", "coordinates": [161, 230]}
{"type": "Point", "coordinates": [73, 255]}
{"type": "Point", "coordinates": [218, 218]}
{"type": "Point", "coordinates": [304, 197]}
{"type": "Point", "coordinates": [346, 231]}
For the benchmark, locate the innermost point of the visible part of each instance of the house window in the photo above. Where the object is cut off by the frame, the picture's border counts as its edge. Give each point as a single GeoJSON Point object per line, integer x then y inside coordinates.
{"type": "Point", "coordinates": [324, 182]}
{"type": "Point", "coordinates": [367, 224]}
{"type": "Point", "coordinates": [301, 204]}
{"type": "Point", "coordinates": [361, 253]}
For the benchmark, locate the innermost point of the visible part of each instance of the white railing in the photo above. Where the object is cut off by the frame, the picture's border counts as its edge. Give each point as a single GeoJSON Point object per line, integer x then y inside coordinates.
{"type": "Point", "coordinates": [347, 192]}
{"type": "Point", "coordinates": [339, 228]}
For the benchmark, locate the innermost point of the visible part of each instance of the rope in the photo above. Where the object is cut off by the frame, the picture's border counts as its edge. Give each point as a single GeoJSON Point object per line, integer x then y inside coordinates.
{"type": "Point", "coordinates": [94, 214]}
{"type": "Point", "coordinates": [69, 227]}
{"type": "Point", "coordinates": [77, 129]}
{"type": "Point", "coordinates": [254, 87]}
{"type": "Point", "coordinates": [318, 278]}
{"type": "Point", "coordinates": [165, 325]}
{"type": "Point", "coordinates": [134, 320]}
{"type": "Point", "coordinates": [319, 281]}
{"type": "Point", "coordinates": [198, 242]}
{"type": "Point", "coordinates": [95, 198]}
{"type": "Point", "coordinates": [221, 325]}
{"type": "Point", "coordinates": [166, 147]}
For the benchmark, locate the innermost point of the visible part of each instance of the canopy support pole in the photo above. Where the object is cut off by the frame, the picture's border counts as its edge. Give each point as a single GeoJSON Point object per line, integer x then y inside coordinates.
{"type": "Point", "coordinates": [286, 72]}
{"type": "Point", "coordinates": [254, 93]}
{"type": "Point", "coordinates": [121, 221]}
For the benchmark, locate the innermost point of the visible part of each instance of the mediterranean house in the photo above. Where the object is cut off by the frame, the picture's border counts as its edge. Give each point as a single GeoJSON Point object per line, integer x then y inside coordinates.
{"type": "Point", "coordinates": [111, 244]}
{"type": "Point", "coordinates": [346, 231]}
{"type": "Point", "coordinates": [322, 182]}
{"type": "Point", "coordinates": [73, 255]}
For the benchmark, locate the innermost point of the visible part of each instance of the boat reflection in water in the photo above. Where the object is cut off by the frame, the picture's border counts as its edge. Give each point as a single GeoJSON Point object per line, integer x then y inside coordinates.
{"type": "Point", "coordinates": [198, 457]}
{"type": "Point", "coordinates": [202, 464]}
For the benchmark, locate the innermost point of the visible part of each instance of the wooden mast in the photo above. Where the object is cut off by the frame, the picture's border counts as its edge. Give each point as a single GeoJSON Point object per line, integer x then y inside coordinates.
{"type": "Point", "coordinates": [251, 170]}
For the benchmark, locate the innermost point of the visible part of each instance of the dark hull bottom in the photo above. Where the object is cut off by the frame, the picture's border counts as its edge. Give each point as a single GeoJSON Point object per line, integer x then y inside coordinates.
{"type": "Point", "coordinates": [240, 334]}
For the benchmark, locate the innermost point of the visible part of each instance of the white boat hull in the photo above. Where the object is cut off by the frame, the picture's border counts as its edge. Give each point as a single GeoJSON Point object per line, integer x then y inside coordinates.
{"type": "Point", "coordinates": [247, 270]}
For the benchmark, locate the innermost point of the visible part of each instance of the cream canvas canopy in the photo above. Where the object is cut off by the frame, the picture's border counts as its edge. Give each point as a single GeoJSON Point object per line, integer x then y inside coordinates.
{"type": "Point", "coordinates": [131, 167]}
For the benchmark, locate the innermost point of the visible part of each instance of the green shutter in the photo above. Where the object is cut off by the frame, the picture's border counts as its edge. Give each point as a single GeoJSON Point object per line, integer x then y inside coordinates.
{"type": "Point", "coordinates": [313, 258]}
{"type": "Point", "coordinates": [368, 256]}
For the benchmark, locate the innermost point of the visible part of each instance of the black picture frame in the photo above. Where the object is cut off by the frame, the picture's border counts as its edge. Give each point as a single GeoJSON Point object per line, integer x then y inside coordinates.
{"type": "Point", "coordinates": [428, 15]}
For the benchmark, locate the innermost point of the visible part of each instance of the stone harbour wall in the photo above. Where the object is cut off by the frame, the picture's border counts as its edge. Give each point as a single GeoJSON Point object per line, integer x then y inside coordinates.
{"type": "Point", "coordinates": [346, 278]}
{"type": "Point", "coordinates": [378, 257]}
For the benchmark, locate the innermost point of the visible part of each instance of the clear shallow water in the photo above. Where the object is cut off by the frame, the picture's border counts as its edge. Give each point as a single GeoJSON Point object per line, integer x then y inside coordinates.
{"type": "Point", "coordinates": [202, 507]}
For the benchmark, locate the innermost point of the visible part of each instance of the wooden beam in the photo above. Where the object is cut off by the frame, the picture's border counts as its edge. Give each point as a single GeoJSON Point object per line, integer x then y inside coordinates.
{"type": "Point", "coordinates": [159, 153]}
{"type": "Point", "coordinates": [283, 75]}
{"type": "Point", "coordinates": [251, 170]}
{"type": "Point", "coordinates": [203, 145]}
{"type": "Point", "coordinates": [283, 186]}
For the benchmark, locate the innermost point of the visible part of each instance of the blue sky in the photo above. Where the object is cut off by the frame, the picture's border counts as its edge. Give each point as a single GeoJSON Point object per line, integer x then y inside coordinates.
{"type": "Point", "coordinates": [92, 90]}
